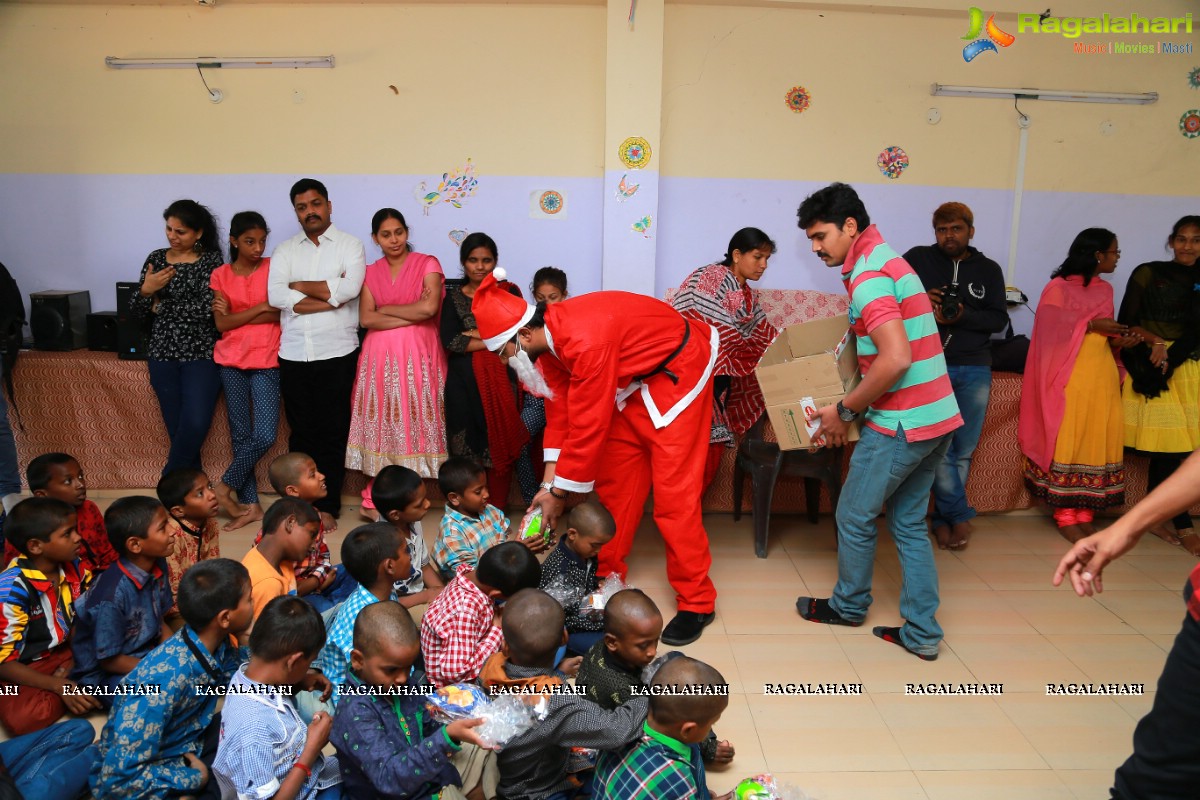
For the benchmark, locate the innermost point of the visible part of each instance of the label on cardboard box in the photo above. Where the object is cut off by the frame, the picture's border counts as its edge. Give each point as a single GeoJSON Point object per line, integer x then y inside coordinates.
{"type": "Point", "coordinates": [809, 365]}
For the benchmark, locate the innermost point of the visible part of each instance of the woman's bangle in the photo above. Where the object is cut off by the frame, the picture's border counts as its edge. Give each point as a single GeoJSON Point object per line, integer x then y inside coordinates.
{"type": "Point", "coordinates": [1159, 344]}
{"type": "Point", "coordinates": [303, 768]}
{"type": "Point", "coordinates": [563, 496]}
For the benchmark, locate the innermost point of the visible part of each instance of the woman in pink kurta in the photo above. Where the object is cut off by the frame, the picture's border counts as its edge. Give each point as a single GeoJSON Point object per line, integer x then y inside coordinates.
{"type": "Point", "coordinates": [397, 412]}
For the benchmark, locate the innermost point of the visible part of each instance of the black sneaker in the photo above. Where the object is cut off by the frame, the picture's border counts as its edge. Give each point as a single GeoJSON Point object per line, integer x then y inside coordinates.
{"type": "Point", "coordinates": [819, 610]}
{"type": "Point", "coordinates": [686, 627]}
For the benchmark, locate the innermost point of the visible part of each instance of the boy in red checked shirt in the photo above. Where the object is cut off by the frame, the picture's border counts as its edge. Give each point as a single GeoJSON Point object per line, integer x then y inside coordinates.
{"type": "Point", "coordinates": [59, 475]}
{"type": "Point", "coordinates": [460, 629]}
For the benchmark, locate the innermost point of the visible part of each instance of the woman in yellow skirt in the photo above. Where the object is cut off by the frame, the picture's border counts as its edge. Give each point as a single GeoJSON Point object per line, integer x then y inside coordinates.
{"type": "Point", "coordinates": [1071, 429]}
{"type": "Point", "coordinates": [1162, 395]}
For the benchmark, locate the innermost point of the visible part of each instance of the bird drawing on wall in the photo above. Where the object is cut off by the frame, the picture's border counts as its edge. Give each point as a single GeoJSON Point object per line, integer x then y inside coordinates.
{"type": "Point", "coordinates": [426, 199]}
{"type": "Point", "coordinates": [454, 188]}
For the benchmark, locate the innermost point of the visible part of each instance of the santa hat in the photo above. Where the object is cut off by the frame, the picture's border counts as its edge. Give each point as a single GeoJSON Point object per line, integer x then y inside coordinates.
{"type": "Point", "coordinates": [498, 314]}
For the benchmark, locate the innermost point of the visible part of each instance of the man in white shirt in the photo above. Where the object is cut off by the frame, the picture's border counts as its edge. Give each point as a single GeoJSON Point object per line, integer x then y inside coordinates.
{"type": "Point", "coordinates": [315, 280]}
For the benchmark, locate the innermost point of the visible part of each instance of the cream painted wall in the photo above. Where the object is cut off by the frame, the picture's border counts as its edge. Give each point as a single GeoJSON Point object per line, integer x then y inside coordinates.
{"type": "Point", "coordinates": [726, 70]}
{"type": "Point", "coordinates": [518, 88]}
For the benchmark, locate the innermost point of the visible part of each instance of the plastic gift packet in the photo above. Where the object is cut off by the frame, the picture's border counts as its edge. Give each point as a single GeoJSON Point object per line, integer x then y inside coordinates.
{"type": "Point", "coordinates": [562, 591]}
{"type": "Point", "coordinates": [653, 667]}
{"type": "Point", "coordinates": [533, 526]}
{"type": "Point", "coordinates": [764, 787]}
{"type": "Point", "coordinates": [592, 605]}
{"type": "Point", "coordinates": [457, 701]}
{"type": "Point", "coordinates": [581, 759]}
{"type": "Point", "coordinates": [504, 717]}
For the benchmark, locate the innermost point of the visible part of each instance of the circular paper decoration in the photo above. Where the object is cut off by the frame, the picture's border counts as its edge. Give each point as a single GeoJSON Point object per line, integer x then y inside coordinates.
{"type": "Point", "coordinates": [1194, 78]}
{"type": "Point", "coordinates": [892, 161]}
{"type": "Point", "coordinates": [798, 99]}
{"type": "Point", "coordinates": [634, 152]}
{"type": "Point", "coordinates": [551, 202]}
{"type": "Point", "coordinates": [1189, 123]}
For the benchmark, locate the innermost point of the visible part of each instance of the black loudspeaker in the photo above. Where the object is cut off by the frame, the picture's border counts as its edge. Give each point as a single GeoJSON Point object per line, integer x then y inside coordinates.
{"type": "Point", "coordinates": [102, 331]}
{"type": "Point", "coordinates": [133, 335]}
{"type": "Point", "coordinates": [58, 319]}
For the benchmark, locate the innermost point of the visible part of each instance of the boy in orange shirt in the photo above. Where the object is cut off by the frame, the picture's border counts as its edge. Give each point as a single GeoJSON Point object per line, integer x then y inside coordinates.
{"type": "Point", "coordinates": [289, 528]}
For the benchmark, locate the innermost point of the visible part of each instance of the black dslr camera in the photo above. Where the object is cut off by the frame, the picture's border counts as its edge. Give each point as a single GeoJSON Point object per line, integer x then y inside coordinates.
{"type": "Point", "coordinates": [951, 301]}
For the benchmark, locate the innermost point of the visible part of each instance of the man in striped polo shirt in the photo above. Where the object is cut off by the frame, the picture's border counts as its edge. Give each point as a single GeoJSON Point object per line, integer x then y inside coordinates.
{"type": "Point", "coordinates": [909, 415]}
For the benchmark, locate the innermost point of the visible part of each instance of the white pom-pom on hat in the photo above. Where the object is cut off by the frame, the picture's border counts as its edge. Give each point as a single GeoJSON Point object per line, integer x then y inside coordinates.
{"type": "Point", "coordinates": [499, 273]}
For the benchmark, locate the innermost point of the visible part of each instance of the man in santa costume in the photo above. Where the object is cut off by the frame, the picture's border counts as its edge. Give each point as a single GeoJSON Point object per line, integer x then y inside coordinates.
{"type": "Point", "coordinates": [628, 388]}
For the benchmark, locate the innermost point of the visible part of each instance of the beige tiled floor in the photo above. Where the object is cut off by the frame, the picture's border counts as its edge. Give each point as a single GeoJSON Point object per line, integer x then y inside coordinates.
{"type": "Point", "coordinates": [1004, 623]}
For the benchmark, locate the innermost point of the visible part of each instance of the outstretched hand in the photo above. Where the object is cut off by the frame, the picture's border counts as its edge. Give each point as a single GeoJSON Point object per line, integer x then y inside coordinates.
{"type": "Point", "coordinates": [1086, 560]}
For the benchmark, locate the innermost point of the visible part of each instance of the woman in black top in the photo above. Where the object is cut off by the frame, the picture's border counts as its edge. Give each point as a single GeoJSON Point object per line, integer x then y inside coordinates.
{"type": "Point", "coordinates": [1162, 392]}
{"type": "Point", "coordinates": [175, 293]}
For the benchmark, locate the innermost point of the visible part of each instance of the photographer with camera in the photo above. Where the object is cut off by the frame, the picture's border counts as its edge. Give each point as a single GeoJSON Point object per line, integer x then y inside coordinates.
{"type": "Point", "coordinates": [966, 289]}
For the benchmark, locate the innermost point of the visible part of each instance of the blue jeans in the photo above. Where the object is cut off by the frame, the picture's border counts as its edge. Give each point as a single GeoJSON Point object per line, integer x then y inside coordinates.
{"type": "Point", "coordinates": [342, 587]}
{"type": "Point", "coordinates": [579, 642]}
{"type": "Point", "coordinates": [252, 400]}
{"type": "Point", "coordinates": [10, 471]}
{"type": "Point", "coordinates": [53, 763]}
{"type": "Point", "coordinates": [891, 471]}
{"type": "Point", "coordinates": [187, 394]}
{"type": "Point", "coordinates": [972, 387]}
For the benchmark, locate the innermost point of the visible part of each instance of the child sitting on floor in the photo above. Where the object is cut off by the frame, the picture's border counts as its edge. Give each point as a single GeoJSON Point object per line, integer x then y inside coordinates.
{"type": "Point", "coordinates": [470, 526]}
{"type": "Point", "coordinates": [400, 498]}
{"type": "Point", "coordinates": [460, 629]}
{"type": "Point", "coordinates": [37, 610]}
{"type": "Point", "coordinates": [612, 669]}
{"type": "Point", "coordinates": [572, 565]}
{"type": "Point", "coordinates": [533, 765]}
{"type": "Point", "coordinates": [318, 581]}
{"type": "Point", "coordinates": [375, 556]}
{"type": "Point", "coordinates": [123, 616]}
{"type": "Point", "coordinates": [387, 746]}
{"type": "Point", "coordinates": [665, 763]}
{"type": "Point", "coordinates": [289, 528]}
{"type": "Point", "coordinates": [163, 744]}
{"type": "Point", "coordinates": [59, 475]}
{"type": "Point", "coordinates": [188, 497]}
{"type": "Point", "coordinates": [266, 750]}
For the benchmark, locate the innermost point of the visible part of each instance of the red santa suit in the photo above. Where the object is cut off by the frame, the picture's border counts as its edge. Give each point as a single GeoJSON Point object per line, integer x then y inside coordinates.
{"type": "Point", "coordinates": [631, 411]}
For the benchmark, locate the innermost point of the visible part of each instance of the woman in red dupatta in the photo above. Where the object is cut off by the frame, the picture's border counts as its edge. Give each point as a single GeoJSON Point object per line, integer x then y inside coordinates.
{"type": "Point", "coordinates": [483, 414]}
{"type": "Point", "coordinates": [718, 294]}
{"type": "Point", "coordinates": [1071, 429]}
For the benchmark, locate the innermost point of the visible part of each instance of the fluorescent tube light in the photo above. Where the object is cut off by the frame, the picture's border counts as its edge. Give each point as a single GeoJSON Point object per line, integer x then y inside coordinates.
{"type": "Point", "coordinates": [1127, 98]}
{"type": "Point", "coordinates": [215, 62]}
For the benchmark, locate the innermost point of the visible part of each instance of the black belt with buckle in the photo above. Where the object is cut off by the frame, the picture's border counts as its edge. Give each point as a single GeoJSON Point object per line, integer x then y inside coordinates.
{"type": "Point", "coordinates": [662, 369]}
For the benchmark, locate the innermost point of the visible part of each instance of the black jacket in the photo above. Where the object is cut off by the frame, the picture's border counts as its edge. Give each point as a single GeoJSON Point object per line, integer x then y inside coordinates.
{"type": "Point", "coordinates": [985, 311]}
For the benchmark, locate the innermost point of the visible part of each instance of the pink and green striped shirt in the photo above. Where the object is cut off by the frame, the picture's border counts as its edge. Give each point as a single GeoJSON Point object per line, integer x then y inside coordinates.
{"type": "Point", "coordinates": [883, 287]}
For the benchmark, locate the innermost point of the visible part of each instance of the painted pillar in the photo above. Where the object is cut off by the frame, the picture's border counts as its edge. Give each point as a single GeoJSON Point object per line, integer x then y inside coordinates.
{"type": "Point", "coordinates": [632, 108]}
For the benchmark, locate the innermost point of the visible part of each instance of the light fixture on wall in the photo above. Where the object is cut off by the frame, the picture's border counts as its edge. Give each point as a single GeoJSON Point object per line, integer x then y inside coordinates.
{"type": "Point", "coordinates": [218, 62]}
{"type": "Point", "coordinates": [1022, 93]}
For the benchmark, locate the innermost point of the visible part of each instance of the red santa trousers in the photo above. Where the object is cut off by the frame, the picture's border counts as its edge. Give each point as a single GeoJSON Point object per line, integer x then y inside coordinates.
{"type": "Point", "coordinates": [671, 460]}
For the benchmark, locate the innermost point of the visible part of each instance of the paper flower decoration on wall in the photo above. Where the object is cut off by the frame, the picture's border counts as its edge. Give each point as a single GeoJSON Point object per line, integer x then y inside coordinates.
{"type": "Point", "coordinates": [1194, 78]}
{"type": "Point", "coordinates": [892, 162]}
{"type": "Point", "coordinates": [1189, 123]}
{"type": "Point", "coordinates": [551, 202]}
{"type": "Point", "coordinates": [798, 99]}
{"type": "Point", "coordinates": [634, 152]}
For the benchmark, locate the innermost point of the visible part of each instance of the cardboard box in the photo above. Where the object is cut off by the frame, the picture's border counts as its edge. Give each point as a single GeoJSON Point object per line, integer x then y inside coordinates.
{"type": "Point", "coordinates": [814, 360]}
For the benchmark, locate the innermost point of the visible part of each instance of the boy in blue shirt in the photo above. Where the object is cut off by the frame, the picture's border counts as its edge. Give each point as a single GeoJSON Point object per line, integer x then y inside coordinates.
{"type": "Point", "coordinates": [121, 618]}
{"type": "Point", "coordinates": [163, 744]}
{"type": "Point", "coordinates": [266, 749]}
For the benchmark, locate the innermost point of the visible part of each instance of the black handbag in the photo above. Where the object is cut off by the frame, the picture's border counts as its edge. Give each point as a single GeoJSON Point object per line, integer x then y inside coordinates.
{"type": "Point", "coordinates": [1009, 353]}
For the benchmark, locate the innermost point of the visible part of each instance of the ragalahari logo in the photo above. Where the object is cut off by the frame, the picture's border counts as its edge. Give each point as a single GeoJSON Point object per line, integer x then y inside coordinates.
{"type": "Point", "coordinates": [994, 37]}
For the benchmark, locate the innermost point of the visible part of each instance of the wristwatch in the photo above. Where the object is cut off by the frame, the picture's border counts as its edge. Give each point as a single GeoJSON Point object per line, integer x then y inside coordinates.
{"type": "Point", "coordinates": [845, 414]}
{"type": "Point", "coordinates": [545, 487]}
